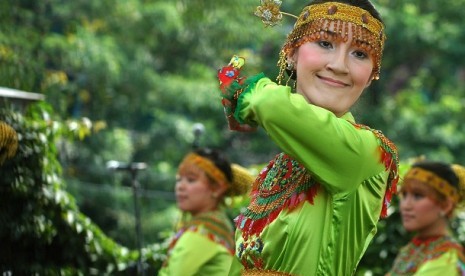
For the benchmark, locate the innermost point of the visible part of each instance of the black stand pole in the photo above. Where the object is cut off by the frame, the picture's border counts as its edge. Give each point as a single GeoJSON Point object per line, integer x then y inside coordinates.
{"type": "Point", "coordinates": [133, 168]}
{"type": "Point", "coordinates": [135, 192]}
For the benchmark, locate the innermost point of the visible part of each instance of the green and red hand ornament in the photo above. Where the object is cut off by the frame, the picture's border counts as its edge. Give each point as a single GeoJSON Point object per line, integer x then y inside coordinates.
{"type": "Point", "coordinates": [231, 86]}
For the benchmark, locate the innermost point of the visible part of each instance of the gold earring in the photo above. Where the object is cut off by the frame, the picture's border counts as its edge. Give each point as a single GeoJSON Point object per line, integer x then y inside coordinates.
{"type": "Point", "coordinates": [290, 77]}
{"type": "Point", "coordinates": [290, 64]}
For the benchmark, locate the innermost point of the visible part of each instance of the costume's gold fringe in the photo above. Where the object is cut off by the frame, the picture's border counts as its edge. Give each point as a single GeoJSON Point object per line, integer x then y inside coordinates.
{"type": "Point", "coordinates": [256, 272]}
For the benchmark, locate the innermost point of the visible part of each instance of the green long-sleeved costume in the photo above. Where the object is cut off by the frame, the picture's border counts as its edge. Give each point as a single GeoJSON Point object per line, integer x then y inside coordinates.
{"type": "Point", "coordinates": [315, 207]}
{"type": "Point", "coordinates": [204, 246]}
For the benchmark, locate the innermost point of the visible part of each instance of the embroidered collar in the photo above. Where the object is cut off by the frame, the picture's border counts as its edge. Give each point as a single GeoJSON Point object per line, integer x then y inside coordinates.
{"type": "Point", "coordinates": [284, 183]}
{"type": "Point", "coordinates": [214, 225]}
{"type": "Point", "coordinates": [421, 250]}
{"type": "Point", "coordinates": [424, 240]}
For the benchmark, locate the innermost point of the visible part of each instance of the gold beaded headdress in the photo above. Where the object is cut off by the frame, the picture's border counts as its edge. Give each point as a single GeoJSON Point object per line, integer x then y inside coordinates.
{"type": "Point", "coordinates": [314, 22]}
{"type": "Point", "coordinates": [242, 179]}
{"type": "Point", "coordinates": [460, 172]}
{"type": "Point", "coordinates": [8, 142]}
{"type": "Point", "coordinates": [433, 180]}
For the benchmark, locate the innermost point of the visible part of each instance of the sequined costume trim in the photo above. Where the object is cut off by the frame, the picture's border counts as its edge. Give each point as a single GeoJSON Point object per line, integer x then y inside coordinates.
{"type": "Point", "coordinates": [213, 226]}
{"type": "Point", "coordinates": [255, 272]}
{"type": "Point", "coordinates": [419, 251]}
{"type": "Point", "coordinates": [284, 183]}
{"type": "Point", "coordinates": [390, 160]}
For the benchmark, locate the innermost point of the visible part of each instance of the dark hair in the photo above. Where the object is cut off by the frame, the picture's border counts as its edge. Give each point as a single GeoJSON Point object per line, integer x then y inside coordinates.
{"type": "Point", "coordinates": [441, 169]}
{"type": "Point", "coordinates": [219, 159]}
{"type": "Point", "coordinates": [364, 4]}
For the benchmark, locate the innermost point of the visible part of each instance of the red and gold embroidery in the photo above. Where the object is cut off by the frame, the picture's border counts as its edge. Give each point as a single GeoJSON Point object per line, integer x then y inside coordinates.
{"type": "Point", "coordinates": [390, 159]}
{"type": "Point", "coordinates": [212, 225]}
{"type": "Point", "coordinates": [284, 183]}
{"type": "Point", "coordinates": [419, 251]}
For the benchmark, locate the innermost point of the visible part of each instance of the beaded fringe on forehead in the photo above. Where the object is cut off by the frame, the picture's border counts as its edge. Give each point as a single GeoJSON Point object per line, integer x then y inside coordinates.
{"type": "Point", "coordinates": [321, 20]}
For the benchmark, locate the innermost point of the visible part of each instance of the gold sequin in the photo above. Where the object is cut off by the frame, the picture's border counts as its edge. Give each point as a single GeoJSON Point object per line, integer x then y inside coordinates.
{"type": "Point", "coordinates": [256, 272]}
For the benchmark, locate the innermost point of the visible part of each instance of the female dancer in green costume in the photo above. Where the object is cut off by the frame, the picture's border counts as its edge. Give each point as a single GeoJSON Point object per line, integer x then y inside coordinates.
{"type": "Point", "coordinates": [430, 193]}
{"type": "Point", "coordinates": [204, 244]}
{"type": "Point", "coordinates": [315, 207]}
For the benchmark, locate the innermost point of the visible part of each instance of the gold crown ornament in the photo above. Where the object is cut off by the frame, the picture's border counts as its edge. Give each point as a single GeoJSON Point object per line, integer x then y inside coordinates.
{"type": "Point", "coordinates": [270, 12]}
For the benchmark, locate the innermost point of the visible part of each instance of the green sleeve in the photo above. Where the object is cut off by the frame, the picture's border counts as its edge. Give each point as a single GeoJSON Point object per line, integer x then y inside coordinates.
{"type": "Point", "coordinates": [236, 268]}
{"type": "Point", "coordinates": [322, 142]}
{"type": "Point", "coordinates": [195, 254]}
{"type": "Point", "coordinates": [446, 264]}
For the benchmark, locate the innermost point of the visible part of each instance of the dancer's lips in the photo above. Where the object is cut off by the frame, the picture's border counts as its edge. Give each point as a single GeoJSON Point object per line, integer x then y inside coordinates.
{"type": "Point", "coordinates": [333, 82]}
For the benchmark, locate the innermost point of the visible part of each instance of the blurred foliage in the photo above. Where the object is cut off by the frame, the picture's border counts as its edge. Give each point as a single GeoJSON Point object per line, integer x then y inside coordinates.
{"type": "Point", "coordinates": [130, 78]}
{"type": "Point", "coordinates": [43, 232]}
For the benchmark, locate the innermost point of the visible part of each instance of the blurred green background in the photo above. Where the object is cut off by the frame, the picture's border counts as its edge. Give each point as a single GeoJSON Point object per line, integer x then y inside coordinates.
{"type": "Point", "coordinates": [128, 80]}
